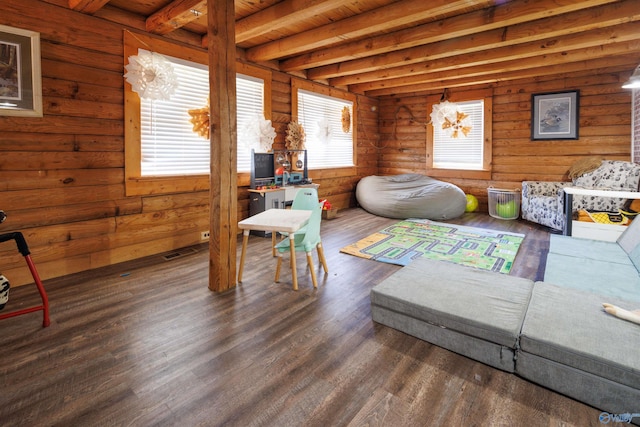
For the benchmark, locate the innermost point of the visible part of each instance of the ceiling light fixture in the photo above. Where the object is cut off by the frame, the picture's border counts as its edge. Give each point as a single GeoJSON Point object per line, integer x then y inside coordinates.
{"type": "Point", "coordinates": [196, 12]}
{"type": "Point", "coordinates": [634, 80]}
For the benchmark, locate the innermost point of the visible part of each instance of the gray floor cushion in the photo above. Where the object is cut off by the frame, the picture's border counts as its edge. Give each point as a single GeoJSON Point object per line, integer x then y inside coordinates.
{"type": "Point", "coordinates": [591, 389]}
{"type": "Point", "coordinates": [410, 196]}
{"type": "Point", "coordinates": [472, 312]}
{"type": "Point", "coordinates": [594, 276]}
{"type": "Point", "coordinates": [588, 249]}
{"type": "Point", "coordinates": [571, 328]}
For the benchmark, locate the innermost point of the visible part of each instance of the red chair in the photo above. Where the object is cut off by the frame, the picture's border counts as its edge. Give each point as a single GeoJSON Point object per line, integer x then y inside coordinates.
{"type": "Point", "coordinates": [24, 250]}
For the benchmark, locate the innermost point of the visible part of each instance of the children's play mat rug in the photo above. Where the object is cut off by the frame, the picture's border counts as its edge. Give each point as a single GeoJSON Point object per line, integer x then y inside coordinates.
{"type": "Point", "coordinates": [412, 238]}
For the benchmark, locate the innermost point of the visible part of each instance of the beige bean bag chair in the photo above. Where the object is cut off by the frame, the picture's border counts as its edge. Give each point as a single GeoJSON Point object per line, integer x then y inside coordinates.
{"type": "Point", "coordinates": [410, 196]}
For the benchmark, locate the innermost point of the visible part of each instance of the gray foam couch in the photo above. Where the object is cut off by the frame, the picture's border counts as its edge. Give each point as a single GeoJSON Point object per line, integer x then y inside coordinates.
{"type": "Point", "coordinates": [552, 332]}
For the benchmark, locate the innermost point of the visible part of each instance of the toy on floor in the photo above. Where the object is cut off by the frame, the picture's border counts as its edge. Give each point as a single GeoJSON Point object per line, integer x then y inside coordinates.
{"type": "Point", "coordinates": [472, 203]}
{"type": "Point", "coordinates": [23, 248]}
{"type": "Point", "coordinates": [631, 316]}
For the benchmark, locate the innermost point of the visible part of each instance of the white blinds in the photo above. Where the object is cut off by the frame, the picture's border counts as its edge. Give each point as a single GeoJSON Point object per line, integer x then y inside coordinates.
{"type": "Point", "coordinates": [326, 143]}
{"type": "Point", "coordinates": [168, 144]}
{"type": "Point", "coordinates": [250, 106]}
{"type": "Point", "coordinates": [462, 152]}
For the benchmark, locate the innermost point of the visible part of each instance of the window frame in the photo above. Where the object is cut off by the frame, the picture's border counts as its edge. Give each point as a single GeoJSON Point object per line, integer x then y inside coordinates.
{"type": "Point", "coordinates": [338, 171]}
{"type": "Point", "coordinates": [135, 183]}
{"type": "Point", "coordinates": [485, 172]}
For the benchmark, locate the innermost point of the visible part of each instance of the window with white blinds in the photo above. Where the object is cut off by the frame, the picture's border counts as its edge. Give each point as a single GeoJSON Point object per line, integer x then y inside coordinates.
{"type": "Point", "coordinates": [250, 106]}
{"type": "Point", "coordinates": [464, 152]}
{"type": "Point", "coordinates": [168, 144]}
{"type": "Point", "coordinates": [327, 144]}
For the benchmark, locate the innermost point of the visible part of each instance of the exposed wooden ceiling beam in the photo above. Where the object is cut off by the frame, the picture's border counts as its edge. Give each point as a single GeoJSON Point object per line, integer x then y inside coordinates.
{"type": "Point", "coordinates": [381, 19]}
{"type": "Point", "coordinates": [400, 47]}
{"type": "Point", "coordinates": [87, 6]}
{"type": "Point", "coordinates": [596, 39]}
{"type": "Point", "coordinates": [503, 15]}
{"type": "Point", "coordinates": [533, 73]}
{"type": "Point", "coordinates": [281, 15]}
{"type": "Point", "coordinates": [553, 63]}
{"type": "Point", "coordinates": [175, 15]}
{"type": "Point", "coordinates": [556, 26]}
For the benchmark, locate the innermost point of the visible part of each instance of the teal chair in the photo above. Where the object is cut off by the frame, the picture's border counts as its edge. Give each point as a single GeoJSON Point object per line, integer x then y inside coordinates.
{"type": "Point", "coordinates": [305, 241]}
{"type": "Point", "coordinates": [306, 199]}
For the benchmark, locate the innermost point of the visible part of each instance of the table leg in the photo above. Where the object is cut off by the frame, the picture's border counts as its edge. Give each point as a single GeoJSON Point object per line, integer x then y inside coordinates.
{"type": "Point", "coordinates": [245, 240]}
{"type": "Point", "coordinates": [294, 273]}
{"type": "Point", "coordinates": [273, 243]}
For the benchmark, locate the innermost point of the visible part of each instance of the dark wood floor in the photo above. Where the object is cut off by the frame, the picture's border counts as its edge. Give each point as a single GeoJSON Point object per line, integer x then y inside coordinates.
{"type": "Point", "coordinates": [146, 343]}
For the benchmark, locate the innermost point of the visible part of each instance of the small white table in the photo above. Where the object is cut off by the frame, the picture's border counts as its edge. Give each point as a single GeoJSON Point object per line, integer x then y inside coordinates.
{"type": "Point", "coordinates": [274, 220]}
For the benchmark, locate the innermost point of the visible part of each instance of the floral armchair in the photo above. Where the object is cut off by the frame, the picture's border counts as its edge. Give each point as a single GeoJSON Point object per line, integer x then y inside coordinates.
{"type": "Point", "coordinates": [543, 202]}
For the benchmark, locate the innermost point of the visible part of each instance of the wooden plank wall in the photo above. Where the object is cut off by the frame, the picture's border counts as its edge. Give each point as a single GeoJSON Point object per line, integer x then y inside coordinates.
{"type": "Point", "coordinates": [605, 130]}
{"type": "Point", "coordinates": [62, 179]}
{"type": "Point", "coordinates": [62, 175]}
{"type": "Point", "coordinates": [338, 185]}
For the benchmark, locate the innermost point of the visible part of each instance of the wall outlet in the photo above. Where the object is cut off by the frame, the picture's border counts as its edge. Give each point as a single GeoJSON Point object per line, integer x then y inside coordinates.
{"type": "Point", "coordinates": [204, 235]}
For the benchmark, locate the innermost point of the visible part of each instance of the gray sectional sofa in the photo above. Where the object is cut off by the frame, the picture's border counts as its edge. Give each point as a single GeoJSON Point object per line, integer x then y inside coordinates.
{"type": "Point", "coordinates": [552, 332]}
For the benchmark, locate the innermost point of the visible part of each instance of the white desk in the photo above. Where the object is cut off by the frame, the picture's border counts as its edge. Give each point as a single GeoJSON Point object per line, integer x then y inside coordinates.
{"type": "Point", "coordinates": [274, 220]}
{"type": "Point", "coordinates": [590, 230]}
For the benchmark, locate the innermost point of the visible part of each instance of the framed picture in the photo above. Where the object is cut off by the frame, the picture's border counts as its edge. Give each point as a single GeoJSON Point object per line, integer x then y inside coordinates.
{"type": "Point", "coordinates": [555, 115]}
{"type": "Point", "coordinates": [20, 76]}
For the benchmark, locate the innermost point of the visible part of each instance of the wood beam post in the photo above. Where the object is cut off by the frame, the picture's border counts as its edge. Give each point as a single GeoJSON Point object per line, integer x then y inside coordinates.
{"type": "Point", "coordinates": [175, 15]}
{"type": "Point", "coordinates": [223, 190]}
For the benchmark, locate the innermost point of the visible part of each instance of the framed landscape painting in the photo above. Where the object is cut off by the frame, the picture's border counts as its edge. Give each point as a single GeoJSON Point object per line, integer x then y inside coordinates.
{"type": "Point", "coordinates": [555, 115]}
{"type": "Point", "coordinates": [20, 75]}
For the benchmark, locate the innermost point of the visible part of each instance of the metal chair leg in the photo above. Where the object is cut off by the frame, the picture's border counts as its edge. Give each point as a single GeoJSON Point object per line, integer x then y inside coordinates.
{"type": "Point", "coordinates": [24, 250]}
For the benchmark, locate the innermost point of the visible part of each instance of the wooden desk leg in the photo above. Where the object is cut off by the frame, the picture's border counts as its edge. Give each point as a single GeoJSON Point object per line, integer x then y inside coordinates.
{"type": "Point", "coordinates": [245, 240]}
{"type": "Point", "coordinates": [294, 273]}
{"type": "Point", "coordinates": [273, 243]}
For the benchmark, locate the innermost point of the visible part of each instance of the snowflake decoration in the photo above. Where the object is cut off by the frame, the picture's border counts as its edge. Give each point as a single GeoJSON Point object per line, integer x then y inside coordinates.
{"type": "Point", "coordinates": [151, 76]}
{"type": "Point", "coordinates": [452, 120]}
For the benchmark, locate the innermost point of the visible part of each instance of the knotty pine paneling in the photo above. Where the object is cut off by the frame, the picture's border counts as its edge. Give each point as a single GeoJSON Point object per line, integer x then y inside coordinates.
{"type": "Point", "coordinates": [62, 175]}
{"type": "Point", "coordinates": [72, 213]}
{"type": "Point", "coordinates": [39, 179]}
{"type": "Point", "coordinates": [48, 142]}
{"type": "Point", "coordinates": [605, 130]}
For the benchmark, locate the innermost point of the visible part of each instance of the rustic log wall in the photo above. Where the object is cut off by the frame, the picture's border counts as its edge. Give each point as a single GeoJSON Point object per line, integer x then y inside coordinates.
{"type": "Point", "coordinates": [605, 130]}
{"type": "Point", "coordinates": [62, 175]}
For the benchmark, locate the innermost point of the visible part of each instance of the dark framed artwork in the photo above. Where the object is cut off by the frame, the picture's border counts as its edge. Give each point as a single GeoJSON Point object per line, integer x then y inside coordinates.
{"type": "Point", "coordinates": [555, 115]}
{"type": "Point", "coordinates": [20, 75]}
